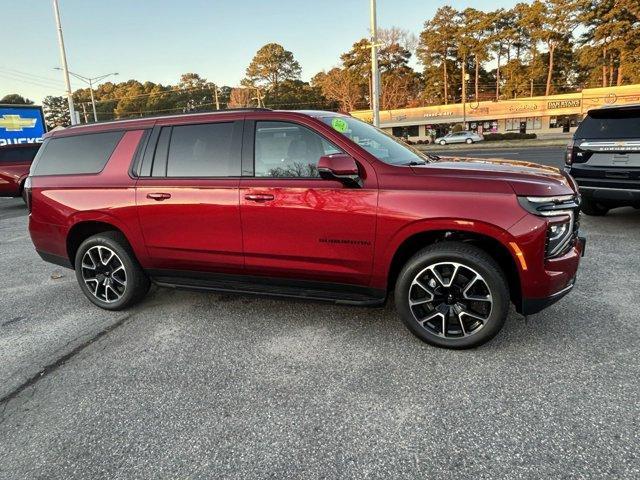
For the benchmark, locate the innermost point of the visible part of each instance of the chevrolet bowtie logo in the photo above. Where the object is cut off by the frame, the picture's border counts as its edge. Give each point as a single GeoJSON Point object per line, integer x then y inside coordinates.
{"type": "Point", "coordinates": [15, 123]}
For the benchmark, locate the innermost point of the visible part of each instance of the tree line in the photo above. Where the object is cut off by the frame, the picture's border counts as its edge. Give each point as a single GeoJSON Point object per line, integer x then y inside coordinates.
{"type": "Point", "coordinates": [541, 47]}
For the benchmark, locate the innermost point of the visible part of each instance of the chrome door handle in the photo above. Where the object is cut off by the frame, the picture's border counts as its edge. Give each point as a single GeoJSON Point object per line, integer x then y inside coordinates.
{"type": "Point", "coordinates": [259, 197]}
{"type": "Point", "coordinates": [158, 196]}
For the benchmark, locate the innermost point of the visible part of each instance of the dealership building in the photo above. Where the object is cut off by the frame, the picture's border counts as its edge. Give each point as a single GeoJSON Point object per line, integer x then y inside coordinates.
{"type": "Point", "coordinates": [539, 115]}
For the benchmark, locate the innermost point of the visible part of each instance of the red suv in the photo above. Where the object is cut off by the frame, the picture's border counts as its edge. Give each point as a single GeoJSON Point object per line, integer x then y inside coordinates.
{"type": "Point", "coordinates": [15, 161]}
{"type": "Point", "coordinates": [305, 204]}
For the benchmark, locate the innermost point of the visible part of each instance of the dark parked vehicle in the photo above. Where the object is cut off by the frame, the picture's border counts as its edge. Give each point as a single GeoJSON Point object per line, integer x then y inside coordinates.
{"type": "Point", "coordinates": [604, 158]}
{"type": "Point", "coordinates": [15, 161]}
{"type": "Point", "coordinates": [315, 205]}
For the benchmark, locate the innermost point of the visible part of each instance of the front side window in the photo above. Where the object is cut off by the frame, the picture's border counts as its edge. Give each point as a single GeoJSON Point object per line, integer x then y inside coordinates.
{"type": "Point", "coordinates": [289, 150]}
{"type": "Point", "coordinates": [203, 150]}
{"type": "Point", "coordinates": [79, 154]}
{"type": "Point", "coordinates": [378, 143]}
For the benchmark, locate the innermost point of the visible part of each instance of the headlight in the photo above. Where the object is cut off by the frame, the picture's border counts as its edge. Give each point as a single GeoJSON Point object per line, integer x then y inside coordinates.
{"type": "Point", "coordinates": [559, 236]}
{"type": "Point", "coordinates": [562, 212]}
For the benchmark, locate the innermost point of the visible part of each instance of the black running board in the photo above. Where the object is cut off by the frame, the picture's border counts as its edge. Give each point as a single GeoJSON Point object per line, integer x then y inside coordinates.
{"type": "Point", "coordinates": [268, 286]}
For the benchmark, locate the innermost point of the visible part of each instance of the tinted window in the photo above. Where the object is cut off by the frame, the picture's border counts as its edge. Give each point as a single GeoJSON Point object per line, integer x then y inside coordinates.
{"type": "Point", "coordinates": [160, 158]}
{"type": "Point", "coordinates": [76, 155]}
{"type": "Point", "coordinates": [289, 150]}
{"type": "Point", "coordinates": [18, 154]}
{"type": "Point", "coordinates": [202, 151]}
{"type": "Point", "coordinates": [610, 124]}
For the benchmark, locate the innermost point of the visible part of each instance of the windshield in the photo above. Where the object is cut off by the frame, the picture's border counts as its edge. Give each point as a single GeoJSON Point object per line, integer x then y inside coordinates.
{"type": "Point", "coordinates": [378, 143]}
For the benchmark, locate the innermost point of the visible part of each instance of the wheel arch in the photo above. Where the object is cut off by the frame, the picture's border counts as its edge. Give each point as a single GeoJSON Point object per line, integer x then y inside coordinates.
{"type": "Point", "coordinates": [492, 244]}
{"type": "Point", "coordinates": [86, 226]}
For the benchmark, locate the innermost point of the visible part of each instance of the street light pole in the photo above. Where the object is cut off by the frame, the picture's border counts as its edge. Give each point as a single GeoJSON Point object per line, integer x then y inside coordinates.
{"type": "Point", "coordinates": [63, 60]}
{"type": "Point", "coordinates": [90, 82]}
{"type": "Point", "coordinates": [375, 80]}
{"type": "Point", "coordinates": [93, 101]}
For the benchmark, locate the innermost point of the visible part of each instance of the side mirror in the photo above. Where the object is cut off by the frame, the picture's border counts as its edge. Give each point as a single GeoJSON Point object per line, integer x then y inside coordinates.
{"type": "Point", "coordinates": [341, 167]}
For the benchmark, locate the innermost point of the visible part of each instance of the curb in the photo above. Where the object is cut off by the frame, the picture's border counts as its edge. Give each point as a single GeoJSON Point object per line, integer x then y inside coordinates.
{"type": "Point", "coordinates": [496, 145]}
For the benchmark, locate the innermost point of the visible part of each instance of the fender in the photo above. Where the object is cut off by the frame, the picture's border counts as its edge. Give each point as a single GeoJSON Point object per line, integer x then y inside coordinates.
{"type": "Point", "coordinates": [131, 232]}
{"type": "Point", "coordinates": [383, 258]}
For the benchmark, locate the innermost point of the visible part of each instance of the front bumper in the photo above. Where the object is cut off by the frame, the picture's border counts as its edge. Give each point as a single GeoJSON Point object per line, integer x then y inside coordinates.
{"type": "Point", "coordinates": [617, 196]}
{"type": "Point", "coordinates": [531, 306]}
{"type": "Point", "coordinates": [535, 305]}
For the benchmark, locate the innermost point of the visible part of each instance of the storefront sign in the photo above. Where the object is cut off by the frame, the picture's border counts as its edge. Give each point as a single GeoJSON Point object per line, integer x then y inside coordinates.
{"type": "Point", "coordinates": [523, 107]}
{"type": "Point", "coordinates": [438, 114]}
{"type": "Point", "coordinates": [552, 105]}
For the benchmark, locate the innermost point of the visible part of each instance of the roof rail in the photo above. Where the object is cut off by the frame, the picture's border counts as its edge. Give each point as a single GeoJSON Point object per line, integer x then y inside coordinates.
{"type": "Point", "coordinates": [184, 114]}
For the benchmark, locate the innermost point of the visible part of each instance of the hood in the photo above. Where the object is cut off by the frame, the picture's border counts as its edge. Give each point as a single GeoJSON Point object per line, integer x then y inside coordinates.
{"type": "Point", "coordinates": [525, 178]}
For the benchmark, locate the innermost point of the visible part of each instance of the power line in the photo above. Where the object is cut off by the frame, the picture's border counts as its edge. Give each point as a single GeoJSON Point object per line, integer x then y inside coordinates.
{"type": "Point", "coordinates": [31, 82]}
{"type": "Point", "coordinates": [30, 75]}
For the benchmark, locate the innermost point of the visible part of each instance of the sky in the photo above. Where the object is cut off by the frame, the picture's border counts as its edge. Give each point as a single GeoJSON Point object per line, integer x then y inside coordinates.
{"type": "Point", "coordinates": [158, 40]}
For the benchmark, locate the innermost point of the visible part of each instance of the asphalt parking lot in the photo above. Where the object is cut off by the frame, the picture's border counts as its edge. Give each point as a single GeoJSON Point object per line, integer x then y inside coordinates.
{"type": "Point", "coordinates": [197, 385]}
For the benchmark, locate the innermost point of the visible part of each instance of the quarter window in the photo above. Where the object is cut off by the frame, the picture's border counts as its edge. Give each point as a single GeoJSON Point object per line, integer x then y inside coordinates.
{"type": "Point", "coordinates": [288, 150]}
{"type": "Point", "coordinates": [80, 154]}
{"type": "Point", "coordinates": [204, 150]}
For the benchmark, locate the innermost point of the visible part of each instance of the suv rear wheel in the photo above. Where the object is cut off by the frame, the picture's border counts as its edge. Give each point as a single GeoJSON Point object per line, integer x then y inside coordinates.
{"type": "Point", "coordinates": [452, 295]}
{"type": "Point", "coordinates": [108, 272]}
{"type": "Point", "coordinates": [590, 207]}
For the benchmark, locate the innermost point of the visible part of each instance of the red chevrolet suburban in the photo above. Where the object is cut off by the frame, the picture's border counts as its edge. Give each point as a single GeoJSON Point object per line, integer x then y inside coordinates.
{"type": "Point", "coordinates": [307, 204]}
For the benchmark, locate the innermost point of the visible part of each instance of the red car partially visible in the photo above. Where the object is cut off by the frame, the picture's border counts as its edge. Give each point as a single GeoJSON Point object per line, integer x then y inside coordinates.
{"type": "Point", "coordinates": [15, 161]}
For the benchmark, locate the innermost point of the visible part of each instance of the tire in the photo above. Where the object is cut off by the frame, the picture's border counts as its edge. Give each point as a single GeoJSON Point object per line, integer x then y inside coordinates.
{"type": "Point", "coordinates": [593, 208]}
{"type": "Point", "coordinates": [442, 142]}
{"type": "Point", "coordinates": [483, 314]}
{"type": "Point", "coordinates": [469, 141]}
{"type": "Point", "coordinates": [126, 283]}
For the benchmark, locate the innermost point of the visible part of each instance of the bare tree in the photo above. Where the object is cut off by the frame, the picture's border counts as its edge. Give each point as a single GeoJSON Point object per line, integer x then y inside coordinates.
{"type": "Point", "coordinates": [240, 98]}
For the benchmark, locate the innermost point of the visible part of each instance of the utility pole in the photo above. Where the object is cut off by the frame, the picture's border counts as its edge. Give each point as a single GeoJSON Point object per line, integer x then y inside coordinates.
{"type": "Point", "coordinates": [215, 93]}
{"type": "Point", "coordinates": [375, 79]}
{"type": "Point", "coordinates": [63, 60]}
{"type": "Point", "coordinates": [464, 94]}
{"type": "Point", "coordinates": [90, 82]}
{"type": "Point", "coordinates": [84, 112]}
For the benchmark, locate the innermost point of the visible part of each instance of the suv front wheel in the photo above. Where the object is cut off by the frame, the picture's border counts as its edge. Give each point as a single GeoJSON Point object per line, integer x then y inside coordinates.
{"type": "Point", "coordinates": [108, 272]}
{"type": "Point", "coordinates": [452, 295]}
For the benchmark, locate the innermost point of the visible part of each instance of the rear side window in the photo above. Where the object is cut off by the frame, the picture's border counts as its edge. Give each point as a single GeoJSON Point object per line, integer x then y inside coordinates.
{"type": "Point", "coordinates": [204, 150]}
{"type": "Point", "coordinates": [80, 154]}
{"type": "Point", "coordinates": [18, 154]}
{"type": "Point", "coordinates": [610, 125]}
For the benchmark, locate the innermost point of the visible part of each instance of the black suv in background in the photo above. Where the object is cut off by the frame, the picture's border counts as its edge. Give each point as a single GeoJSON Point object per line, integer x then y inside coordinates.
{"type": "Point", "coordinates": [604, 158]}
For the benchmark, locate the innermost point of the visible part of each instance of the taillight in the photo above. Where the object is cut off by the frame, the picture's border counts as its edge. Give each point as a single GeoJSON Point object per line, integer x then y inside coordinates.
{"type": "Point", "coordinates": [26, 192]}
{"type": "Point", "coordinates": [569, 155]}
